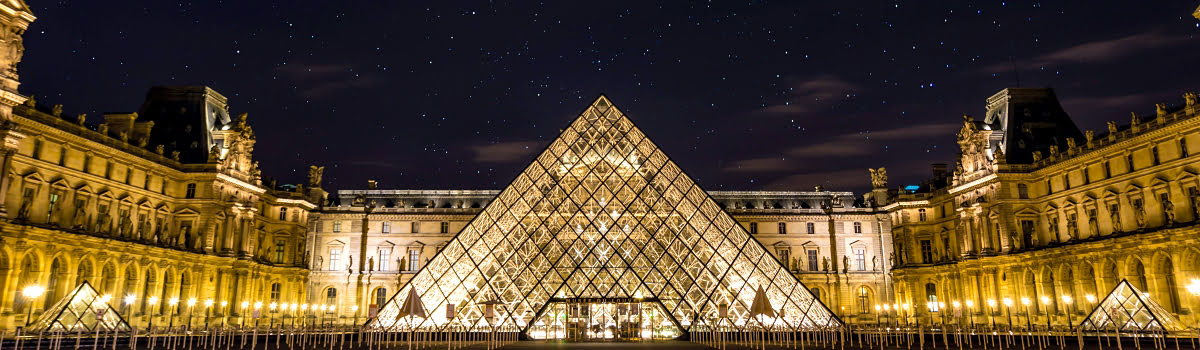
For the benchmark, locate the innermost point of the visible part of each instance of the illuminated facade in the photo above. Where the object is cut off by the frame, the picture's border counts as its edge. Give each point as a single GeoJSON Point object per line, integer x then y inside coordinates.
{"type": "Point", "coordinates": [1038, 210]}
{"type": "Point", "coordinates": [602, 236]}
{"type": "Point", "coordinates": [158, 208]}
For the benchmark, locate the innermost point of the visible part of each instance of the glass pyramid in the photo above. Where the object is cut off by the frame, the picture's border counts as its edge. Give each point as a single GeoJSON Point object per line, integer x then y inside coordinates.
{"type": "Point", "coordinates": [602, 214]}
{"type": "Point", "coordinates": [82, 309]}
{"type": "Point", "coordinates": [1130, 310]}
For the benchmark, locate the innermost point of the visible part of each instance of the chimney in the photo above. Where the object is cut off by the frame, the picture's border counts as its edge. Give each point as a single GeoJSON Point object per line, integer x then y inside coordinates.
{"type": "Point", "coordinates": [939, 170]}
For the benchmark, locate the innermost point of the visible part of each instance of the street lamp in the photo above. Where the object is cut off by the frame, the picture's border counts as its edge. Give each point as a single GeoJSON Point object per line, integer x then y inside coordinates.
{"type": "Point", "coordinates": [257, 307]}
{"type": "Point", "coordinates": [1008, 310]}
{"type": "Point", "coordinates": [957, 312]}
{"type": "Point", "coordinates": [152, 301]}
{"type": "Point", "coordinates": [31, 293]}
{"type": "Point", "coordinates": [1067, 300]}
{"type": "Point", "coordinates": [992, 314]}
{"type": "Point", "coordinates": [208, 303]}
{"type": "Point", "coordinates": [971, 313]}
{"type": "Point", "coordinates": [191, 303]}
{"type": "Point", "coordinates": [272, 310]}
{"type": "Point", "coordinates": [1028, 315]}
{"type": "Point", "coordinates": [174, 310]}
{"type": "Point", "coordinates": [1049, 313]}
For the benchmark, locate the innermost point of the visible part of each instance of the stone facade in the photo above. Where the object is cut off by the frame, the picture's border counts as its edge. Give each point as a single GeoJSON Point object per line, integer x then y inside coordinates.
{"type": "Point", "coordinates": [836, 247]}
{"type": "Point", "coordinates": [1038, 210]}
{"type": "Point", "coordinates": [165, 204]}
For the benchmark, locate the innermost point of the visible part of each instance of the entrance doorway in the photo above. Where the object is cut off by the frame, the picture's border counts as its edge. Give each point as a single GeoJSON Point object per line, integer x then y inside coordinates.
{"type": "Point", "coordinates": [603, 319]}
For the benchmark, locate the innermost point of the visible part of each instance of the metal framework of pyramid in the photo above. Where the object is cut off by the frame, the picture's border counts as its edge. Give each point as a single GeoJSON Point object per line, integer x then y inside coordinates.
{"type": "Point", "coordinates": [602, 214]}
{"type": "Point", "coordinates": [81, 309]}
{"type": "Point", "coordinates": [1130, 310]}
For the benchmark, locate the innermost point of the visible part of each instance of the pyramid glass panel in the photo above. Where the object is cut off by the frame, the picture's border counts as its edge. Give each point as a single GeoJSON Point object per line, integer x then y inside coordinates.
{"type": "Point", "coordinates": [83, 309]}
{"type": "Point", "coordinates": [602, 236]}
{"type": "Point", "coordinates": [1128, 309]}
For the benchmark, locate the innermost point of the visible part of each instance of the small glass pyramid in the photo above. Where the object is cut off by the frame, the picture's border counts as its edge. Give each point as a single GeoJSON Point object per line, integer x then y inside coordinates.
{"type": "Point", "coordinates": [603, 225]}
{"type": "Point", "coordinates": [82, 309]}
{"type": "Point", "coordinates": [1129, 309]}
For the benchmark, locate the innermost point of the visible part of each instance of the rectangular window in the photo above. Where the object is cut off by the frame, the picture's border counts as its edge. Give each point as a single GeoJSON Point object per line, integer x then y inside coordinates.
{"type": "Point", "coordinates": [1022, 191]}
{"type": "Point", "coordinates": [384, 255]}
{"type": "Point", "coordinates": [1026, 233]}
{"type": "Point", "coordinates": [445, 227]}
{"type": "Point", "coordinates": [784, 257]}
{"type": "Point", "coordinates": [753, 228]}
{"type": "Point", "coordinates": [1129, 163]}
{"type": "Point", "coordinates": [108, 170]}
{"type": "Point", "coordinates": [128, 176]}
{"type": "Point", "coordinates": [1107, 169]}
{"type": "Point", "coordinates": [1049, 187]}
{"type": "Point", "coordinates": [337, 226]}
{"type": "Point", "coordinates": [1086, 178]}
{"type": "Point", "coordinates": [62, 155]}
{"type": "Point", "coordinates": [416, 227]}
{"type": "Point", "coordinates": [1183, 148]}
{"type": "Point", "coordinates": [1066, 181]}
{"type": "Point", "coordinates": [812, 260]}
{"type": "Point", "coordinates": [414, 256]}
{"type": "Point", "coordinates": [146, 182]}
{"type": "Point", "coordinates": [185, 228]}
{"type": "Point", "coordinates": [191, 191]}
{"type": "Point", "coordinates": [857, 227]}
{"type": "Point", "coordinates": [387, 227]}
{"type": "Point", "coordinates": [163, 188]}
{"type": "Point", "coordinates": [280, 248]}
{"type": "Point", "coordinates": [335, 258]}
{"type": "Point", "coordinates": [860, 258]}
{"type": "Point", "coordinates": [282, 214]}
{"type": "Point", "coordinates": [1154, 155]}
{"type": "Point", "coordinates": [782, 228]}
{"type": "Point", "coordinates": [921, 215]}
{"type": "Point", "coordinates": [53, 205]}
{"type": "Point", "coordinates": [926, 251]}
{"type": "Point", "coordinates": [946, 246]}
{"type": "Point", "coordinates": [276, 291]}
{"type": "Point", "coordinates": [811, 227]}
{"type": "Point", "coordinates": [87, 163]}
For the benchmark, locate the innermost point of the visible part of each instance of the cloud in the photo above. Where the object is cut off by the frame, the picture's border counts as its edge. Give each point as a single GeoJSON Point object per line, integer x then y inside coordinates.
{"type": "Point", "coordinates": [320, 80]}
{"type": "Point", "coordinates": [812, 94]}
{"type": "Point", "coordinates": [505, 152]}
{"type": "Point", "coordinates": [1102, 51]}
{"type": "Point", "coordinates": [857, 143]}
{"type": "Point", "coordinates": [844, 145]}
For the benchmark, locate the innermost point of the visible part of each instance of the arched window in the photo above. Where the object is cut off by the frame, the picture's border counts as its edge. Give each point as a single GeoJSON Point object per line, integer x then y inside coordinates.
{"type": "Point", "coordinates": [782, 228]}
{"type": "Point", "coordinates": [331, 296]}
{"type": "Point", "coordinates": [380, 297]}
{"type": "Point", "coordinates": [864, 300]}
{"type": "Point", "coordinates": [931, 296]}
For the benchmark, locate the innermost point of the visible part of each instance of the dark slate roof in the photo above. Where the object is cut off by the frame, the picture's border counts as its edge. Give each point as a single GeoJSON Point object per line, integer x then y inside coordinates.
{"type": "Point", "coordinates": [1031, 120]}
{"type": "Point", "coordinates": [183, 116]}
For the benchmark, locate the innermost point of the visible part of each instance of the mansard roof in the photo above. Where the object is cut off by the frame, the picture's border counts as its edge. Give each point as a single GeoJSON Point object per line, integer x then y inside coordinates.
{"type": "Point", "coordinates": [184, 117]}
{"type": "Point", "coordinates": [1030, 119]}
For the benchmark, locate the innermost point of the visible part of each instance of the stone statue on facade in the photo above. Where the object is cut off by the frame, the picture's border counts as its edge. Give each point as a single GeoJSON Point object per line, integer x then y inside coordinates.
{"type": "Point", "coordinates": [845, 263]}
{"type": "Point", "coordinates": [79, 218]}
{"type": "Point", "coordinates": [878, 177]}
{"type": "Point", "coordinates": [1114, 212]}
{"type": "Point", "coordinates": [402, 265]}
{"type": "Point", "coordinates": [320, 263]}
{"type": "Point", "coordinates": [892, 259]}
{"type": "Point", "coordinates": [825, 264]}
{"type": "Point", "coordinates": [1089, 136]}
{"type": "Point", "coordinates": [371, 264]}
{"type": "Point", "coordinates": [102, 223]}
{"type": "Point", "coordinates": [1093, 226]}
{"type": "Point", "coordinates": [1169, 211]}
{"type": "Point", "coordinates": [874, 263]}
{"type": "Point", "coordinates": [314, 175]}
{"type": "Point", "coordinates": [1139, 214]}
{"type": "Point", "coordinates": [1189, 99]}
{"type": "Point", "coordinates": [1194, 195]}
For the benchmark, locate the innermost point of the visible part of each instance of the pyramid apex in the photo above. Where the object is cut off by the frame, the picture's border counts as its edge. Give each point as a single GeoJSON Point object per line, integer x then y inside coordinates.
{"type": "Point", "coordinates": [602, 102]}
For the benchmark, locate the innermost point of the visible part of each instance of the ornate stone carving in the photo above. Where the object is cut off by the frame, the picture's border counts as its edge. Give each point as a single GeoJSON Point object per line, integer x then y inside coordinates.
{"type": "Point", "coordinates": [1114, 212]}
{"type": "Point", "coordinates": [1089, 136]}
{"type": "Point", "coordinates": [81, 118]}
{"type": "Point", "coordinates": [314, 176]}
{"type": "Point", "coordinates": [1189, 99]}
{"type": "Point", "coordinates": [56, 110]}
{"type": "Point", "coordinates": [878, 177]}
{"type": "Point", "coordinates": [1168, 211]}
{"type": "Point", "coordinates": [1134, 125]}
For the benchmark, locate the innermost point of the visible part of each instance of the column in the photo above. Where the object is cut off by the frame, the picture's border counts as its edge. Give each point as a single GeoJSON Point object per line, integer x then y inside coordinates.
{"type": "Point", "coordinates": [11, 138]}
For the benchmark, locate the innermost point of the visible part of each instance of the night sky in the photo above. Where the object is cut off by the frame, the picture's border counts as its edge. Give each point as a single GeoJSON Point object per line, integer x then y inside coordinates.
{"type": "Point", "coordinates": [779, 95]}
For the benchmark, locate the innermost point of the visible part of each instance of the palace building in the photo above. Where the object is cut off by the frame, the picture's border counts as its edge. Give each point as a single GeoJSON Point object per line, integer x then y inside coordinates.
{"type": "Point", "coordinates": [371, 243]}
{"type": "Point", "coordinates": [163, 209]}
{"type": "Point", "coordinates": [1039, 211]}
